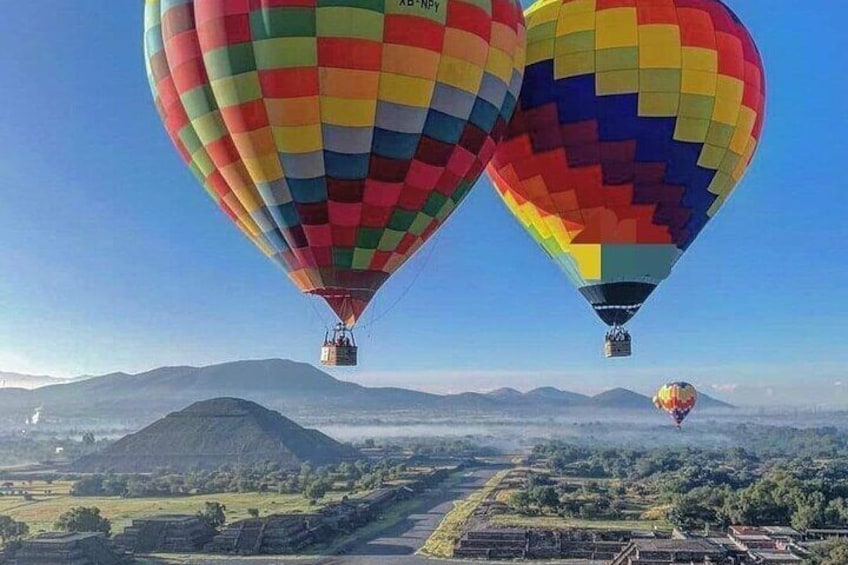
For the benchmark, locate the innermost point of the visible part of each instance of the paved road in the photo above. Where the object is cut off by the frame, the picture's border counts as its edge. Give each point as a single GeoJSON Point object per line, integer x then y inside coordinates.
{"type": "Point", "coordinates": [397, 543]}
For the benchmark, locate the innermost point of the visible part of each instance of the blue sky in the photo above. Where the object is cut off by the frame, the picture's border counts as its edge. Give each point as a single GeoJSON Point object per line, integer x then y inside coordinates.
{"type": "Point", "coordinates": [113, 258]}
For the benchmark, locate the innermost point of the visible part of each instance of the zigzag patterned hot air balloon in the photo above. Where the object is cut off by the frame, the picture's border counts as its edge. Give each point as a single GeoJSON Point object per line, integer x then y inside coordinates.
{"type": "Point", "coordinates": [338, 135]}
{"type": "Point", "coordinates": [635, 121]}
{"type": "Point", "coordinates": [677, 399]}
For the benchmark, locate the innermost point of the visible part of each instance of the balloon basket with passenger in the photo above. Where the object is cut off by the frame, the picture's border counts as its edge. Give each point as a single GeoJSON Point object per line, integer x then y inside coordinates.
{"type": "Point", "coordinates": [617, 343]}
{"type": "Point", "coordinates": [339, 349]}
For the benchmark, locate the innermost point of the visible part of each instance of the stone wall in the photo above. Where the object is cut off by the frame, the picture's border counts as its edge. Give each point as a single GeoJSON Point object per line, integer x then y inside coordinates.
{"type": "Point", "coordinates": [523, 543]}
{"type": "Point", "coordinates": [281, 534]}
{"type": "Point", "coordinates": [166, 534]}
{"type": "Point", "coordinates": [68, 549]}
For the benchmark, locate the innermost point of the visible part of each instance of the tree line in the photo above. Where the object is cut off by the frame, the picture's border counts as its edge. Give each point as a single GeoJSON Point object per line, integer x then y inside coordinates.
{"type": "Point", "coordinates": [805, 485]}
{"type": "Point", "coordinates": [312, 482]}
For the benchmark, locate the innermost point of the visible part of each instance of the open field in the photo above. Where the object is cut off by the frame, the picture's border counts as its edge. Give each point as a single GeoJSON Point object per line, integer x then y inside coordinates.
{"type": "Point", "coordinates": [36, 487]}
{"type": "Point", "coordinates": [393, 540]}
{"type": "Point", "coordinates": [42, 512]}
{"type": "Point", "coordinates": [556, 522]}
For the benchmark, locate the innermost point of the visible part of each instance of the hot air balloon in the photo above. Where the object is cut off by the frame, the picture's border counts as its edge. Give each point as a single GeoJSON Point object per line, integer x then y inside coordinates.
{"type": "Point", "coordinates": [635, 121]}
{"type": "Point", "coordinates": [677, 399]}
{"type": "Point", "coordinates": [338, 136]}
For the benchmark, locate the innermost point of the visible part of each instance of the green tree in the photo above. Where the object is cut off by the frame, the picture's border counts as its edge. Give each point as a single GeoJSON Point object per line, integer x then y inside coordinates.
{"type": "Point", "coordinates": [545, 497]}
{"type": "Point", "coordinates": [519, 501]}
{"type": "Point", "coordinates": [829, 553]}
{"type": "Point", "coordinates": [84, 519]}
{"type": "Point", "coordinates": [214, 513]}
{"type": "Point", "coordinates": [810, 511]}
{"type": "Point", "coordinates": [306, 472]}
{"type": "Point", "coordinates": [349, 471]}
{"type": "Point", "coordinates": [10, 530]}
{"type": "Point", "coordinates": [292, 484]}
{"type": "Point", "coordinates": [114, 486]}
{"type": "Point", "coordinates": [761, 503]}
{"type": "Point", "coordinates": [88, 486]}
{"type": "Point", "coordinates": [315, 490]}
{"type": "Point", "coordinates": [837, 512]}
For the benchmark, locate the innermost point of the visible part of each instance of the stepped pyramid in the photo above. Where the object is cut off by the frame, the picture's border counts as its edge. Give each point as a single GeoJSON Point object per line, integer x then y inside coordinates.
{"type": "Point", "coordinates": [213, 433]}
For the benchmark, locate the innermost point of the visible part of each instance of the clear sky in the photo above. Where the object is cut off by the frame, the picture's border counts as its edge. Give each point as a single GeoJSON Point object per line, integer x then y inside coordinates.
{"type": "Point", "coordinates": [113, 258]}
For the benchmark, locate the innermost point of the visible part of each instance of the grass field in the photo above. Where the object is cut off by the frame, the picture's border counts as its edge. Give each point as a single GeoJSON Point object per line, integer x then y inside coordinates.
{"type": "Point", "coordinates": [394, 515]}
{"type": "Point", "coordinates": [41, 513]}
{"type": "Point", "coordinates": [37, 488]}
{"type": "Point", "coordinates": [555, 522]}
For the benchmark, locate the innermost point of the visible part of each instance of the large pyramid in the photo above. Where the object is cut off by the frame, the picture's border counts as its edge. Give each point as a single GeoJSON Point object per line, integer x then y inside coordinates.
{"type": "Point", "coordinates": [213, 433]}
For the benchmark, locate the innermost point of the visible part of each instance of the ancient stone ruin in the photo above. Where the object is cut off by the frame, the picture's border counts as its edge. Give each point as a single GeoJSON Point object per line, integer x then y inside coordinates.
{"type": "Point", "coordinates": [213, 433]}
{"type": "Point", "coordinates": [523, 543]}
{"type": "Point", "coordinates": [68, 549]}
{"type": "Point", "coordinates": [166, 534]}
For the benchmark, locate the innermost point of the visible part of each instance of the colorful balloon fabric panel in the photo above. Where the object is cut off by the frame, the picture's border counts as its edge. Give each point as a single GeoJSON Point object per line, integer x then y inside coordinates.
{"type": "Point", "coordinates": [338, 135]}
{"type": "Point", "coordinates": [636, 120]}
{"type": "Point", "coordinates": [677, 399]}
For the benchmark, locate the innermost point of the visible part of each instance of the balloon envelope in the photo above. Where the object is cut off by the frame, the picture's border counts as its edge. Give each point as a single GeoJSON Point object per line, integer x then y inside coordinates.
{"type": "Point", "coordinates": [337, 135]}
{"type": "Point", "coordinates": [677, 399]}
{"type": "Point", "coordinates": [636, 120]}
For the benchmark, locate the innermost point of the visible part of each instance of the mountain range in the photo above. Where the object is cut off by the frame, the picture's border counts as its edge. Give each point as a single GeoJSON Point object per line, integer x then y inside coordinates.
{"type": "Point", "coordinates": [292, 387]}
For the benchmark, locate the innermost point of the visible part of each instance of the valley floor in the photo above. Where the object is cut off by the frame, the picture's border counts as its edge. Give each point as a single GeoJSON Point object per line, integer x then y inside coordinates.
{"type": "Point", "coordinates": [394, 542]}
{"type": "Point", "coordinates": [42, 512]}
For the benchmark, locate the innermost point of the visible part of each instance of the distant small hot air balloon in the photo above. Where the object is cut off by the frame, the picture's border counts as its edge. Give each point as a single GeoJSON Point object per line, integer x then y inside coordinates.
{"type": "Point", "coordinates": [338, 136]}
{"type": "Point", "coordinates": [677, 399]}
{"type": "Point", "coordinates": [635, 121]}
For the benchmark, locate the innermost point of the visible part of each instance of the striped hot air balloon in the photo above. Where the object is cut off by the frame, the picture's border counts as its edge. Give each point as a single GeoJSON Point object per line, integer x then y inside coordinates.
{"type": "Point", "coordinates": [677, 399]}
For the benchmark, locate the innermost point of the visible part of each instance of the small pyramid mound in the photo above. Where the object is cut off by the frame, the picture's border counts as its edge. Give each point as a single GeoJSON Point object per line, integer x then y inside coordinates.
{"type": "Point", "coordinates": [213, 433]}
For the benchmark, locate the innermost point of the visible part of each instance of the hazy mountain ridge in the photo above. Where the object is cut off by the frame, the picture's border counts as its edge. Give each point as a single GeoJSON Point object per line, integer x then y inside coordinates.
{"type": "Point", "coordinates": [19, 380]}
{"type": "Point", "coordinates": [288, 385]}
